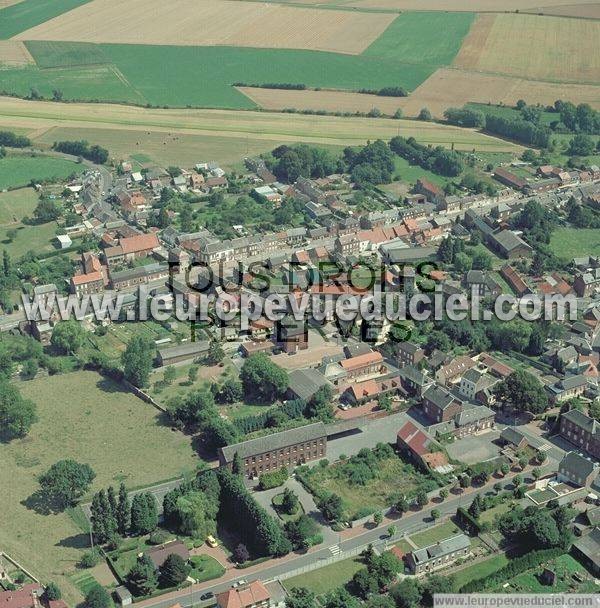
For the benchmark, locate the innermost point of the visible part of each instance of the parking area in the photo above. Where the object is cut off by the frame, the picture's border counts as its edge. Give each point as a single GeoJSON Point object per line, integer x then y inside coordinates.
{"type": "Point", "coordinates": [475, 448]}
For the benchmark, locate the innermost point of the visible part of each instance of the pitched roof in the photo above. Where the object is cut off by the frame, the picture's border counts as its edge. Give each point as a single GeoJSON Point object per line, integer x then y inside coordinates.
{"type": "Point", "coordinates": [140, 242]}
{"type": "Point", "coordinates": [361, 360]}
{"type": "Point", "coordinates": [244, 597]}
{"type": "Point", "coordinates": [441, 548]}
{"type": "Point", "coordinates": [439, 396]}
{"type": "Point", "coordinates": [21, 598]}
{"type": "Point", "coordinates": [90, 277]}
{"type": "Point", "coordinates": [589, 545]}
{"type": "Point", "coordinates": [276, 441]}
{"type": "Point", "coordinates": [306, 382]}
{"type": "Point", "coordinates": [416, 439]}
{"type": "Point", "coordinates": [577, 465]}
{"type": "Point", "coordinates": [159, 554]}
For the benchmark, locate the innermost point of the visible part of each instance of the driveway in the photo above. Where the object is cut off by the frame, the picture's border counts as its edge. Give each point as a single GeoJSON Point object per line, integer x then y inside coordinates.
{"type": "Point", "coordinates": [474, 448]}
{"type": "Point", "coordinates": [264, 499]}
{"type": "Point", "coordinates": [367, 436]}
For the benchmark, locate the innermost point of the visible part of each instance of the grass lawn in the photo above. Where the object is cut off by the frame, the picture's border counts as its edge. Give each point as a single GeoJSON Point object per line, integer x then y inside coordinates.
{"type": "Point", "coordinates": [327, 579]}
{"type": "Point", "coordinates": [564, 566]}
{"type": "Point", "coordinates": [479, 570]}
{"type": "Point", "coordinates": [434, 534]}
{"type": "Point", "coordinates": [404, 546]}
{"type": "Point", "coordinates": [38, 238]}
{"type": "Point", "coordinates": [91, 419]}
{"type": "Point", "coordinates": [408, 173]}
{"type": "Point", "coordinates": [17, 204]}
{"type": "Point", "coordinates": [19, 170]}
{"type": "Point", "coordinates": [395, 477]}
{"type": "Point", "coordinates": [277, 500]}
{"type": "Point", "coordinates": [205, 568]}
{"type": "Point", "coordinates": [490, 515]}
{"type": "Point", "coordinates": [575, 242]}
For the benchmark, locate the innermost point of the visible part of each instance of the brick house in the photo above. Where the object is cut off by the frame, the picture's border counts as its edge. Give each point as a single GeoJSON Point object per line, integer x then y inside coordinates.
{"type": "Point", "coordinates": [369, 364]}
{"type": "Point", "coordinates": [285, 449]}
{"type": "Point", "coordinates": [439, 555]}
{"type": "Point", "coordinates": [409, 354]}
{"type": "Point", "coordinates": [253, 595]}
{"type": "Point", "coordinates": [440, 405]}
{"type": "Point", "coordinates": [582, 431]}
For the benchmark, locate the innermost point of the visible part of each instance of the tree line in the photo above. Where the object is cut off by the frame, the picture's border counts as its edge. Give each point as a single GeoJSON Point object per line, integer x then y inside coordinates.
{"type": "Point", "coordinates": [438, 159]}
{"type": "Point", "coordinates": [11, 140]}
{"type": "Point", "coordinates": [94, 153]}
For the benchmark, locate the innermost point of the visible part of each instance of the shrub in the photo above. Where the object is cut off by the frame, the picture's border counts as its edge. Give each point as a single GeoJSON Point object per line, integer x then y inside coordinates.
{"type": "Point", "coordinates": [273, 479]}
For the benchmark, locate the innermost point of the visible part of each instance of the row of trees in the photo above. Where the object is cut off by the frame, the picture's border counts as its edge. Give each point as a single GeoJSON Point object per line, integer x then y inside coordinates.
{"type": "Point", "coordinates": [113, 516]}
{"type": "Point", "coordinates": [17, 414]}
{"type": "Point", "coordinates": [438, 159]}
{"type": "Point", "coordinates": [82, 148]}
{"type": "Point", "coordinates": [11, 140]}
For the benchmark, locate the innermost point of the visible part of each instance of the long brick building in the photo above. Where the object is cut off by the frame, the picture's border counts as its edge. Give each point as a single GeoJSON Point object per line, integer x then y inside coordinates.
{"type": "Point", "coordinates": [272, 452]}
{"type": "Point", "coordinates": [582, 431]}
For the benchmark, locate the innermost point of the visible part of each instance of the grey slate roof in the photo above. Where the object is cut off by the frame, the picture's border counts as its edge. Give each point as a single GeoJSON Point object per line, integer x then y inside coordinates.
{"type": "Point", "coordinates": [439, 396]}
{"type": "Point", "coordinates": [306, 382]}
{"type": "Point", "coordinates": [577, 465]}
{"type": "Point", "coordinates": [589, 545]}
{"type": "Point", "coordinates": [473, 414]}
{"type": "Point", "coordinates": [189, 348]}
{"type": "Point", "coordinates": [582, 420]}
{"type": "Point", "coordinates": [277, 441]}
{"type": "Point", "coordinates": [444, 547]}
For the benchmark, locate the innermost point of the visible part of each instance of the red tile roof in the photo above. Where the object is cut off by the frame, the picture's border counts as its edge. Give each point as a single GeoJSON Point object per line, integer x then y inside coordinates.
{"type": "Point", "coordinates": [361, 360]}
{"type": "Point", "coordinates": [20, 598]}
{"type": "Point", "coordinates": [141, 242]}
{"type": "Point", "coordinates": [414, 438]}
{"type": "Point", "coordinates": [244, 597]}
{"type": "Point", "coordinates": [90, 277]}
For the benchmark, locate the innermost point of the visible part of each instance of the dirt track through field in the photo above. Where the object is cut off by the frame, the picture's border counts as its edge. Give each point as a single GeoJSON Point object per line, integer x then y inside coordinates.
{"type": "Point", "coordinates": [214, 22]}
{"type": "Point", "coordinates": [584, 11]}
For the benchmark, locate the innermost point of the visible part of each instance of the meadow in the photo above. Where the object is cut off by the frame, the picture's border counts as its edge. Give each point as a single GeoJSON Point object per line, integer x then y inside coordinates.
{"type": "Point", "coordinates": [91, 419]}
{"type": "Point", "coordinates": [18, 170]}
{"type": "Point", "coordinates": [575, 242]}
{"type": "Point", "coordinates": [17, 204]}
{"type": "Point", "coordinates": [29, 13]}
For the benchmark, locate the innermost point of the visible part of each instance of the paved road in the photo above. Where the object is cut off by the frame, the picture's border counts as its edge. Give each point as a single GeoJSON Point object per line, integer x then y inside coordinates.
{"type": "Point", "coordinates": [277, 568]}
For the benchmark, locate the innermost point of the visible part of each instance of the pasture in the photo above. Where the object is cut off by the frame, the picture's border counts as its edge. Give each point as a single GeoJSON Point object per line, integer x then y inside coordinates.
{"type": "Point", "coordinates": [20, 170]}
{"type": "Point", "coordinates": [19, 16]}
{"type": "Point", "coordinates": [529, 46]}
{"type": "Point", "coordinates": [91, 419]}
{"type": "Point", "coordinates": [328, 578]}
{"type": "Point", "coordinates": [214, 22]}
{"type": "Point", "coordinates": [17, 204]}
{"type": "Point", "coordinates": [575, 242]}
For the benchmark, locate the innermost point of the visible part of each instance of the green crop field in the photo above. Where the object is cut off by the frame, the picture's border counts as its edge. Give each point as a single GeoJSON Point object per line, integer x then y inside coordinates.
{"type": "Point", "coordinates": [29, 13]}
{"type": "Point", "coordinates": [405, 55]}
{"type": "Point", "coordinates": [17, 171]}
{"type": "Point", "coordinates": [65, 54]}
{"type": "Point", "coordinates": [423, 38]}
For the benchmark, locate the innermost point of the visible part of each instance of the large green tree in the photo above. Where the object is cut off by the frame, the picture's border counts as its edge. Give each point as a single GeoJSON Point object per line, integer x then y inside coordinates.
{"type": "Point", "coordinates": [523, 391]}
{"type": "Point", "coordinates": [142, 578]}
{"type": "Point", "coordinates": [17, 415]}
{"type": "Point", "coordinates": [137, 360]}
{"type": "Point", "coordinates": [300, 597]}
{"type": "Point", "coordinates": [144, 514]}
{"type": "Point", "coordinates": [263, 380]}
{"type": "Point", "coordinates": [67, 336]}
{"type": "Point", "coordinates": [97, 597]}
{"type": "Point", "coordinates": [66, 481]}
{"type": "Point", "coordinates": [174, 571]}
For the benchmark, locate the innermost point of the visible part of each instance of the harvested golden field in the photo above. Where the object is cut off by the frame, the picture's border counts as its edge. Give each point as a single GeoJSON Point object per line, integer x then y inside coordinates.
{"type": "Point", "coordinates": [453, 88]}
{"type": "Point", "coordinates": [331, 101]}
{"type": "Point", "coordinates": [5, 3]}
{"type": "Point", "coordinates": [14, 53]}
{"type": "Point", "coordinates": [460, 5]}
{"type": "Point", "coordinates": [584, 11]}
{"type": "Point", "coordinates": [214, 22]}
{"type": "Point", "coordinates": [554, 49]}
{"type": "Point", "coordinates": [266, 126]}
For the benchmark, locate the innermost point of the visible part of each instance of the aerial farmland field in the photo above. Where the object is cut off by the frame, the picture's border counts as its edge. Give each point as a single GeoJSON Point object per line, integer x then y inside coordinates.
{"type": "Point", "coordinates": [214, 22]}
{"type": "Point", "coordinates": [529, 46]}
